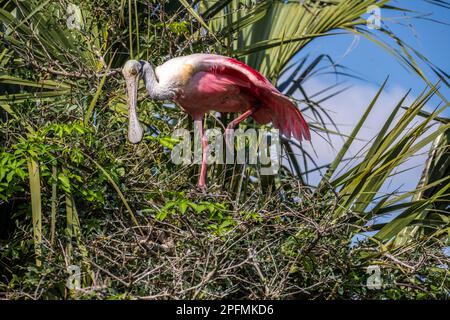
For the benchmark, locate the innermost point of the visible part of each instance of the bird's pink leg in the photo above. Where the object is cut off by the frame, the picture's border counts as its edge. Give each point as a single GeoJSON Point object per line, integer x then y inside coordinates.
{"type": "Point", "coordinates": [198, 123]}
{"type": "Point", "coordinates": [241, 118]}
{"type": "Point", "coordinates": [234, 123]}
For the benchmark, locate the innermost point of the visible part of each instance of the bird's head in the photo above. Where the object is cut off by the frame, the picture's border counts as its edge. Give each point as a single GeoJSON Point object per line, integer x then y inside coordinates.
{"type": "Point", "coordinates": [131, 72]}
{"type": "Point", "coordinates": [131, 69]}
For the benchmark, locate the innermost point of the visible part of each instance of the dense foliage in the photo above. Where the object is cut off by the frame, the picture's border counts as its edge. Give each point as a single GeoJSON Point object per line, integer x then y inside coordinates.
{"type": "Point", "coordinates": [74, 192]}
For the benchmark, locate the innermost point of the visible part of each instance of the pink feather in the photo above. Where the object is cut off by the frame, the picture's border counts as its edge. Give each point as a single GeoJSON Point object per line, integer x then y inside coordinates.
{"type": "Point", "coordinates": [227, 85]}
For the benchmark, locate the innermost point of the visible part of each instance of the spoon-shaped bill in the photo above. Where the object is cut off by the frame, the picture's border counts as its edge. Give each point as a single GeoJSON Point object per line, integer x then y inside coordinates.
{"type": "Point", "coordinates": [135, 131]}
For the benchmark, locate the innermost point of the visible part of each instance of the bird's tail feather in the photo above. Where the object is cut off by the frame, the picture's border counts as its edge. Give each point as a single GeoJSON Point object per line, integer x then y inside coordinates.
{"type": "Point", "coordinates": [284, 115]}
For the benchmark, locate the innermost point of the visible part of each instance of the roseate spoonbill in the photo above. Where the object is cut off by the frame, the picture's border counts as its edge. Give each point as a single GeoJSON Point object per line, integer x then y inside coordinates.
{"type": "Point", "coordinates": [199, 83]}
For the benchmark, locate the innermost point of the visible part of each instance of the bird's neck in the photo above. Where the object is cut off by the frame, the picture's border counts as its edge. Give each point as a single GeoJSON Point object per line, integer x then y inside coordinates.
{"type": "Point", "coordinates": [155, 90]}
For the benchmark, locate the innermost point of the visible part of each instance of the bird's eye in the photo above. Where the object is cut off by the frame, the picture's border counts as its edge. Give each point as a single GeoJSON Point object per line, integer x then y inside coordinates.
{"type": "Point", "coordinates": [133, 72]}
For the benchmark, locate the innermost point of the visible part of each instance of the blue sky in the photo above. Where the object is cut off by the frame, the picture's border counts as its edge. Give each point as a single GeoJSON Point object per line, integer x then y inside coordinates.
{"type": "Point", "coordinates": [374, 64]}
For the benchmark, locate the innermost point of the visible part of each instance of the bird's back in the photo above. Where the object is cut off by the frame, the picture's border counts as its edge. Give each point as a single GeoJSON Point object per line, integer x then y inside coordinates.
{"type": "Point", "coordinates": [213, 82]}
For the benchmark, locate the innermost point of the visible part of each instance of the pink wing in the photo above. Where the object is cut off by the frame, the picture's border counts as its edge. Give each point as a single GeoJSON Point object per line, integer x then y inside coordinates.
{"type": "Point", "coordinates": [272, 106]}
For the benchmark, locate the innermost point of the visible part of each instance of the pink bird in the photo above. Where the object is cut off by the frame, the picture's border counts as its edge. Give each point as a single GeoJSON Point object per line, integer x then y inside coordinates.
{"type": "Point", "coordinates": [199, 83]}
